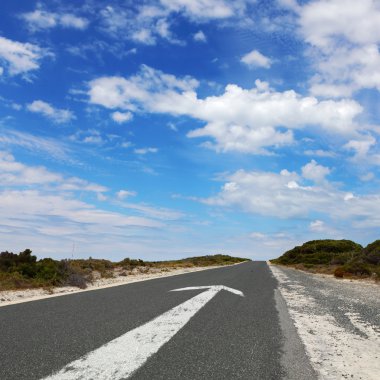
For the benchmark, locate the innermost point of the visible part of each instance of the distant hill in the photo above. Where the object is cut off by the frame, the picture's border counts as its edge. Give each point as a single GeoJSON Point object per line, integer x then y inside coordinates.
{"type": "Point", "coordinates": [343, 258]}
{"type": "Point", "coordinates": [23, 270]}
{"type": "Point", "coordinates": [200, 261]}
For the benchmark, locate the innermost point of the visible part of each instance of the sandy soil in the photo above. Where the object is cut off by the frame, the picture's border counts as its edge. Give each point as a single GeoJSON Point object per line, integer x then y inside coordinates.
{"type": "Point", "coordinates": [338, 322]}
{"type": "Point", "coordinates": [11, 297]}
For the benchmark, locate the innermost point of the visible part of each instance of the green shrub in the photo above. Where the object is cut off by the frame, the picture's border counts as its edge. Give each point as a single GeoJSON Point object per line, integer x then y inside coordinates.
{"type": "Point", "coordinates": [358, 266]}
{"type": "Point", "coordinates": [24, 271]}
{"type": "Point", "coordinates": [321, 252]}
{"type": "Point", "coordinates": [129, 264]}
{"type": "Point", "coordinates": [372, 253]}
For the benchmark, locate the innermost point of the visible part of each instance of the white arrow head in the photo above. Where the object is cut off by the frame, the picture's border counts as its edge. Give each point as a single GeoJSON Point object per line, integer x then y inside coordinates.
{"type": "Point", "coordinates": [212, 288]}
{"type": "Point", "coordinates": [121, 357]}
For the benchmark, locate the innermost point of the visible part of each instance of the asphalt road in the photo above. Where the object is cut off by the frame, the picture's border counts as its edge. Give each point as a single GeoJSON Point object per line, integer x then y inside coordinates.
{"type": "Point", "coordinates": [231, 337]}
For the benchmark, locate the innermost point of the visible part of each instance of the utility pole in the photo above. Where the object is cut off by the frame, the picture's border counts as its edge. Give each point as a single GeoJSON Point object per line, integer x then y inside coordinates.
{"type": "Point", "coordinates": [72, 252]}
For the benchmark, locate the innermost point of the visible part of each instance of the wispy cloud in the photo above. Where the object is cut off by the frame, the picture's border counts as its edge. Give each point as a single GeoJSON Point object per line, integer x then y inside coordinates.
{"type": "Point", "coordinates": [15, 174]}
{"type": "Point", "coordinates": [57, 115]}
{"type": "Point", "coordinates": [40, 19]}
{"type": "Point", "coordinates": [146, 150]}
{"type": "Point", "coordinates": [49, 146]}
{"type": "Point", "coordinates": [49, 211]}
{"type": "Point", "coordinates": [122, 194]}
{"type": "Point", "coordinates": [151, 22]}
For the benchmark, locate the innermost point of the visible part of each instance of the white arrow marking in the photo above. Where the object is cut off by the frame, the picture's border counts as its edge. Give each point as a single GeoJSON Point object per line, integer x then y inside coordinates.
{"type": "Point", "coordinates": [122, 356]}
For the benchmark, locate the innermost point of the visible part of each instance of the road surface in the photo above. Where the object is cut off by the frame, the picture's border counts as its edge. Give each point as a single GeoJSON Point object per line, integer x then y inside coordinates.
{"type": "Point", "coordinates": [238, 332]}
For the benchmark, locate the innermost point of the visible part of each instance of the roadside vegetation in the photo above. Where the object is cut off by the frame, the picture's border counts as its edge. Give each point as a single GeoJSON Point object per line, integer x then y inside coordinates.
{"type": "Point", "coordinates": [343, 258]}
{"type": "Point", "coordinates": [23, 270]}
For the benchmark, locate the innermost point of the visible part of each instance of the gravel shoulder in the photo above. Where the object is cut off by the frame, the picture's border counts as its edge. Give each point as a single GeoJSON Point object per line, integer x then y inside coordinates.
{"type": "Point", "coordinates": [338, 322]}
{"type": "Point", "coordinates": [11, 297]}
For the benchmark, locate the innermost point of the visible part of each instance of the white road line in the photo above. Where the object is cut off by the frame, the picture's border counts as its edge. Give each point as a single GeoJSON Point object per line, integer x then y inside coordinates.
{"type": "Point", "coordinates": [122, 356]}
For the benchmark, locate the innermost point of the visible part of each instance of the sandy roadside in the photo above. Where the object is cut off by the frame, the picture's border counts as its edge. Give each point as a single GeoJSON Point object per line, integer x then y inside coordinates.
{"type": "Point", "coordinates": [364, 281]}
{"type": "Point", "coordinates": [337, 321]}
{"type": "Point", "coordinates": [11, 297]}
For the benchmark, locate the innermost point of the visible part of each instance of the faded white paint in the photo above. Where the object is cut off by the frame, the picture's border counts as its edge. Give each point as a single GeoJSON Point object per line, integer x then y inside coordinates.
{"type": "Point", "coordinates": [121, 357]}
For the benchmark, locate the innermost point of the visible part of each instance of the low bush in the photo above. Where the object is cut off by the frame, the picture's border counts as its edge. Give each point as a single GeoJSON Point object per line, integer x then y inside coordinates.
{"type": "Point", "coordinates": [317, 252]}
{"type": "Point", "coordinates": [23, 270]}
{"type": "Point", "coordinates": [129, 264]}
{"type": "Point", "coordinates": [324, 255]}
{"type": "Point", "coordinates": [372, 253]}
{"type": "Point", "coordinates": [339, 272]}
{"type": "Point", "coordinates": [200, 261]}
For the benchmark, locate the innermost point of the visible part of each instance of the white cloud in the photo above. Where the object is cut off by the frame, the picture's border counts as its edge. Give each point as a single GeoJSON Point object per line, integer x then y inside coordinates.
{"type": "Point", "coordinates": [101, 197]}
{"type": "Point", "coordinates": [122, 194]}
{"type": "Point", "coordinates": [144, 36]}
{"type": "Point", "coordinates": [361, 147]}
{"type": "Point", "coordinates": [55, 114]}
{"type": "Point", "coordinates": [344, 37]}
{"type": "Point", "coordinates": [40, 19]}
{"type": "Point", "coordinates": [162, 28]}
{"type": "Point", "coordinates": [128, 94]}
{"type": "Point", "coordinates": [126, 144]}
{"type": "Point", "coordinates": [122, 117]}
{"type": "Point", "coordinates": [315, 172]}
{"type": "Point", "coordinates": [256, 59]}
{"type": "Point", "coordinates": [48, 212]}
{"type": "Point", "coordinates": [90, 136]}
{"type": "Point", "coordinates": [18, 57]}
{"type": "Point", "coordinates": [139, 26]}
{"type": "Point", "coordinates": [205, 9]}
{"type": "Point", "coordinates": [172, 127]}
{"type": "Point", "coordinates": [257, 235]}
{"type": "Point", "coordinates": [160, 213]}
{"type": "Point", "coordinates": [283, 195]}
{"type": "Point", "coordinates": [14, 174]}
{"type": "Point", "coordinates": [200, 37]}
{"type": "Point", "coordinates": [367, 177]}
{"type": "Point", "coordinates": [364, 150]}
{"type": "Point", "coordinates": [346, 69]}
{"type": "Point", "coordinates": [146, 150]}
{"type": "Point", "coordinates": [291, 4]}
{"type": "Point", "coordinates": [68, 20]}
{"type": "Point", "coordinates": [323, 20]}
{"type": "Point", "coordinates": [317, 226]}
{"type": "Point", "coordinates": [150, 22]}
{"type": "Point", "coordinates": [44, 207]}
{"type": "Point", "coordinates": [32, 206]}
{"type": "Point", "coordinates": [319, 153]}
{"type": "Point", "coordinates": [244, 120]}
{"type": "Point", "coordinates": [93, 139]}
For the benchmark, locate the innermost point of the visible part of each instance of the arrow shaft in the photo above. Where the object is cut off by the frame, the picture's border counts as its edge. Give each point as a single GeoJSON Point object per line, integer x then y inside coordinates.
{"type": "Point", "coordinates": [121, 357]}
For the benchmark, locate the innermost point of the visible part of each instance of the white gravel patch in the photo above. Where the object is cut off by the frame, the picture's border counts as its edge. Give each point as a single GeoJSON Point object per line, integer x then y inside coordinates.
{"type": "Point", "coordinates": [341, 334]}
{"type": "Point", "coordinates": [10, 297]}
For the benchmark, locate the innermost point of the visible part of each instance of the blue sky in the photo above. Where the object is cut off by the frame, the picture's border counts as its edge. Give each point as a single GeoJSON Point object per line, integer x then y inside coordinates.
{"type": "Point", "coordinates": [172, 128]}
